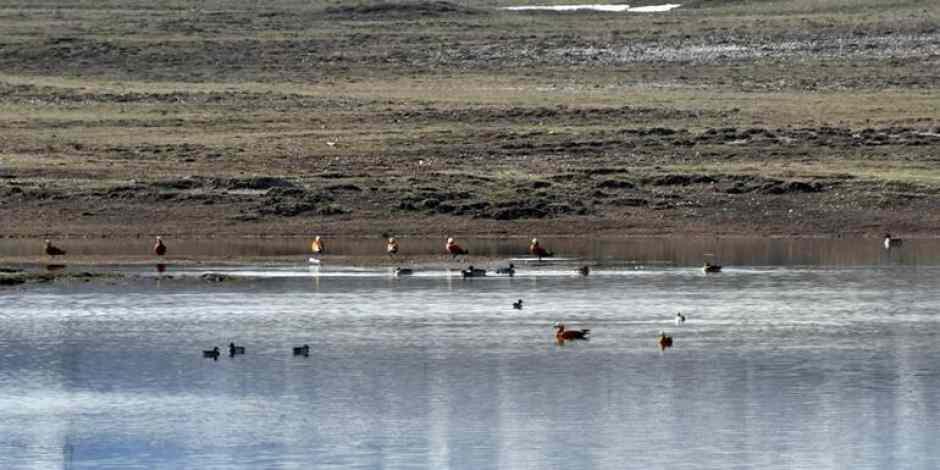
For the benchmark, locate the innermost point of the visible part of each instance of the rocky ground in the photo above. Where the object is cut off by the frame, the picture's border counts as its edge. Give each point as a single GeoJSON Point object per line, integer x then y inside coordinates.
{"type": "Point", "coordinates": [767, 118]}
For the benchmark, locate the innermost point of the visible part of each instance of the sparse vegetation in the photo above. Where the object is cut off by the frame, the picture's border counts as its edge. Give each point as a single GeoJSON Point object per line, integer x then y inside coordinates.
{"type": "Point", "coordinates": [247, 118]}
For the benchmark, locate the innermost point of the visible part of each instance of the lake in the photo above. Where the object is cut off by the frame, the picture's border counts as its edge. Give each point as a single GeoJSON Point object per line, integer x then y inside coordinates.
{"type": "Point", "coordinates": [811, 364]}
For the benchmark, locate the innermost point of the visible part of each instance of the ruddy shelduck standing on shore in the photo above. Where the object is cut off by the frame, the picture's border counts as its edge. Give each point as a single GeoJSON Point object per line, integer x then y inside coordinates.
{"type": "Point", "coordinates": [391, 247]}
{"type": "Point", "coordinates": [536, 249]}
{"type": "Point", "coordinates": [52, 250]}
{"type": "Point", "coordinates": [455, 249]}
{"type": "Point", "coordinates": [159, 248]}
{"type": "Point", "coordinates": [317, 246]}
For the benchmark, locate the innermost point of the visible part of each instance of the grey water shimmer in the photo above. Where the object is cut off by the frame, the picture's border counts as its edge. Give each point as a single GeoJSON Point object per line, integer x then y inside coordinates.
{"type": "Point", "coordinates": [775, 368]}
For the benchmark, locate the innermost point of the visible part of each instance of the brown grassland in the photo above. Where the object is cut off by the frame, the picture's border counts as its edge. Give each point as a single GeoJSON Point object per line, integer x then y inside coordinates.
{"type": "Point", "coordinates": [288, 117]}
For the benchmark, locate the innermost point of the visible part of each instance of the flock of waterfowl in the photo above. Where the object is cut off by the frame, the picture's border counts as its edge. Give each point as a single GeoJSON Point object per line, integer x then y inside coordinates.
{"type": "Point", "coordinates": [318, 247]}
{"type": "Point", "coordinates": [234, 350]}
{"type": "Point", "coordinates": [159, 248]}
{"type": "Point", "coordinates": [562, 334]}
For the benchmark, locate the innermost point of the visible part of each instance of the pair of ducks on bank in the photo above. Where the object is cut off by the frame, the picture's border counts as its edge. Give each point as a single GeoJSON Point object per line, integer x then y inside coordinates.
{"type": "Point", "coordinates": [159, 248]}
{"type": "Point", "coordinates": [535, 248]}
{"type": "Point", "coordinates": [318, 246]}
{"type": "Point", "coordinates": [234, 350]}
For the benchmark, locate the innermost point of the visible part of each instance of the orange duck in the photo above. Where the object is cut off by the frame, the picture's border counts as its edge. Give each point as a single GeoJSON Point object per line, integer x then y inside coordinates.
{"type": "Point", "coordinates": [159, 248]}
{"type": "Point", "coordinates": [391, 247]}
{"type": "Point", "coordinates": [53, 251]}
{"type": "Point", "coordinates": [538, 251]}
{"type": "Point", "coordinates": [455, 249]}
{"type": "Point", "coordinates": [664, 341]}
{"type": "Point", "coordinates": [561, 334]}
{"type": "Point", "coordinates": [317, 246]}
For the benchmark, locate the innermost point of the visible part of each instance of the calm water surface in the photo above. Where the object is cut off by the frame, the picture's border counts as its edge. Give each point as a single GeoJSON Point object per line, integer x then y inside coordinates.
{"type": "Point", "coordinates": [775, 368]}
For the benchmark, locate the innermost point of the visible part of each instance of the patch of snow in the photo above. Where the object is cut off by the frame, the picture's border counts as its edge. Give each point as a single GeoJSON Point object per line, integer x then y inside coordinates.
{"type": "Point", "coordinates": [610, 8]}
{"type": "Point", "coordinates": [655, 8]}
{"type": "Point", "coordinates": [605, 8]}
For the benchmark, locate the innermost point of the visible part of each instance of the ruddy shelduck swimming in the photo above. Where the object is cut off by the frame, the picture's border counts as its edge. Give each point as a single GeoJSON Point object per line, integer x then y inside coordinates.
{"type": "Point", "coordinates": [562, 334]}
{"type": "Point", "coordinates": [664, 341]}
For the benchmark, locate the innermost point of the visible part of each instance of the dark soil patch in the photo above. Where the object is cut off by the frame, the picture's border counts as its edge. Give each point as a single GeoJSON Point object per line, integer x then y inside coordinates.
{"type": "Point", "coordinates": [292, 202]}
{"type": "Point", "coordinates": [630, 202]}
{"type": "Point", "coordinates": [679, 180]}
{"type": "Point", "coordinates": [771, 186]}
{"type": "Point", "coordinates": [403, 10]}
{"type": "Point", "coordinates": [556, 115]}
{"type": "Point", "coordinates": [615, 184]}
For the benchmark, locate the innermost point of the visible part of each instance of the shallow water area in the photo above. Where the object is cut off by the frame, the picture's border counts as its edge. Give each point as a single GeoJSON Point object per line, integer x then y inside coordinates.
{"type": "Point", "coordinates": [822, 361]}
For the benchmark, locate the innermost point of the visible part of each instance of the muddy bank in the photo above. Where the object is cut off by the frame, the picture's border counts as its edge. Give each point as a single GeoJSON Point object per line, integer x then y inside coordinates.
{"type": "Point", "coordinates": [15, 277]}
{"type": "Point", "coordinates": [622, 180]}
